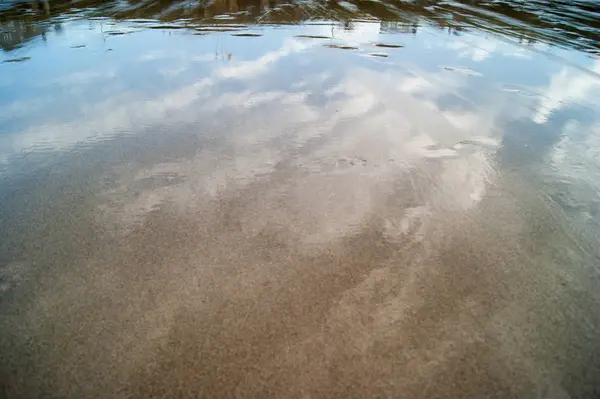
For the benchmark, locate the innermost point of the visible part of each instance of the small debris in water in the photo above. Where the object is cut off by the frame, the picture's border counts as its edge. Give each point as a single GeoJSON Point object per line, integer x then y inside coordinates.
{"type": "Point", "coordinates": [519, 89]}
{"type": "Point", "coordinates": [21, 59]}
{"type": "Point", "coordinates": [341, 46]}
{"type": "Point", "coordinates": [78, 46]}
{"type": "Point", "coordinates": [466, 71]}
{"type": "Point", "coordinates": [246, 34]}
{"type": "Point", "coordinates": [382, 55]}
{"type": "Point", "coordinates": [314, 36]}
{"type": "Point", "coordinates": [386, 45]}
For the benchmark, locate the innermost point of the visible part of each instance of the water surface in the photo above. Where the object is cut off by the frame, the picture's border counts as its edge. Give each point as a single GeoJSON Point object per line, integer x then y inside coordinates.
{"type": "Point", "coordinates": [299, 199]}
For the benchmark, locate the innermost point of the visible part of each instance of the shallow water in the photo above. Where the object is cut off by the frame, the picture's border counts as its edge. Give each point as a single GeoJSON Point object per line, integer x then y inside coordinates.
{"type": "Point", "coordinates": [304, 199]}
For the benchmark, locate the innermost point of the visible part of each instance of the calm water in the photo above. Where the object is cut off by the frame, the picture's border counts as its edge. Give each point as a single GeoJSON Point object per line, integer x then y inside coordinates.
{"type": "Point", "coordinates": [266, 199]}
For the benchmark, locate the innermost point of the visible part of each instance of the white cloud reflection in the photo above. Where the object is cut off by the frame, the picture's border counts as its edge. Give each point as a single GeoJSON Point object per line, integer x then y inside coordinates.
{"type": "Point", "coordinates": [480, 48]}
{"type": "Point", "coordinates": [341, 154]}
{"type": "Point", "coordinates": [253, 68]}
{"type": "Point", "coordinates": [566, 87]}
{"type": "Point", "coordinates": [348, 153]}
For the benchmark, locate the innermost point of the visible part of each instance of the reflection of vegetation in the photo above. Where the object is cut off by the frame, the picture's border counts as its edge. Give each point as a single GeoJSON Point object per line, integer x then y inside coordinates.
{"type": "Point", "coordinates": [14, 33]}
{"type": "Point", "coordinates": [571, 23]}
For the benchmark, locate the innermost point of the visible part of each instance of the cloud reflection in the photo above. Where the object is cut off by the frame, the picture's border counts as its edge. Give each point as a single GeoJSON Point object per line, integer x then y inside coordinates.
{"type": "Point", "coordinates": [566, 87]}
{"type": "Point", "coordinates": [351, 129]}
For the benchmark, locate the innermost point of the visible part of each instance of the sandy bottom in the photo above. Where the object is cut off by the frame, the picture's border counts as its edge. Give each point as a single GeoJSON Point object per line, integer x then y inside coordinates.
{"type": "Point", "coordinates": [328, 280]}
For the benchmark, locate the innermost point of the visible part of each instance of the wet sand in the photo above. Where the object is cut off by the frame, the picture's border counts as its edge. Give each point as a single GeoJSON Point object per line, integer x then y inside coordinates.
{"type": "Point", "coordinates": [329, 238]}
